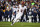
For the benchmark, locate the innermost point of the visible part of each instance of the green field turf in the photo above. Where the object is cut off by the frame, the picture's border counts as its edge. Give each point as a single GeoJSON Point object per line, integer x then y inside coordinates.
{"type": "Point", "coordinates": [19, 24]}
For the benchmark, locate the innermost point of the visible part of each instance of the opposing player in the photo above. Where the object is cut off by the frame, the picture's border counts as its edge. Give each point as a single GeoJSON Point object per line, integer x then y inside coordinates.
{"type": "Point", "coordinates": [20, 11]}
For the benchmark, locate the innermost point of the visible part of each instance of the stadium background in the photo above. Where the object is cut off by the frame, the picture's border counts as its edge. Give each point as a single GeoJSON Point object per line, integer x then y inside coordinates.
{"type": "Point", "coordinates": [21, 24]}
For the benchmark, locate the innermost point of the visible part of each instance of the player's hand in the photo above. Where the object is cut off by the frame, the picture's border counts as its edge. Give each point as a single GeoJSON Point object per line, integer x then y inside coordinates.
{"type": "Point", "coordinates": [13, 13]}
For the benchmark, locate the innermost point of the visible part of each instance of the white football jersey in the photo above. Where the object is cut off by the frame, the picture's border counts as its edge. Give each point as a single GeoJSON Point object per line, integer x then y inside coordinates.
{"type": "Point", "coordinates": [22, 8]}
{"type": "Point", "coordinates": [19, 14]}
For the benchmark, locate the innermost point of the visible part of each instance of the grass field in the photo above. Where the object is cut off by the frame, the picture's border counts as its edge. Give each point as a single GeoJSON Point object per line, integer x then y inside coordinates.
{"type": "Point", "coordinates": [19, 24]}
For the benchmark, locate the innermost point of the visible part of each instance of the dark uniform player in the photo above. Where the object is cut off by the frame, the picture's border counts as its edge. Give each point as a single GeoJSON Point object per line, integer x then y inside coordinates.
{"type": "Point", "coordinates": [34, 13]}
{"type": "Point", "coordinates": [39, 5]}
{"type": "Point", "coordinates": [6, 15]}
{"type": "Point", "coordinates": [10, 15]}
{"type": "Point", "coordinates": [39, 15]}
{"type": "Point", "coordinates": [1, 13]}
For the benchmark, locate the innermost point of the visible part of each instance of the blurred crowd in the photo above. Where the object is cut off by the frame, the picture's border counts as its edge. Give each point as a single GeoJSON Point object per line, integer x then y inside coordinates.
{"type": "Point", "coordinates": [6, 9]}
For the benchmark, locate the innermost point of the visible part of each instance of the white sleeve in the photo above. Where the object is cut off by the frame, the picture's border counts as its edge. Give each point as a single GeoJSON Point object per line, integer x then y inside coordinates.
{"type": "Point", "coordinates": [19, 6]}
{"type": "Point", "coordinates": [13, 9]}
{"type": "Point", "coordinates": [25, 7]}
